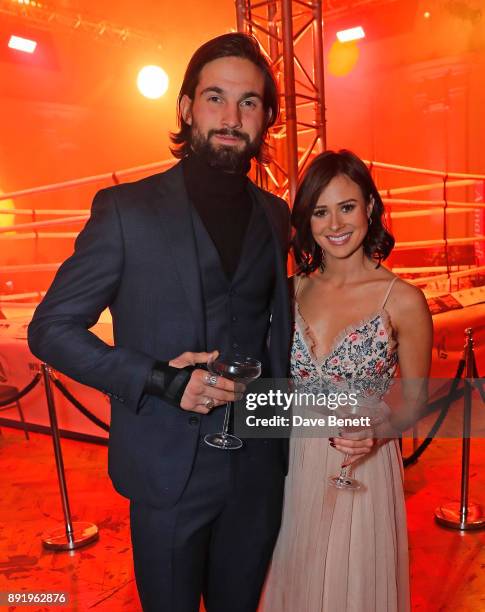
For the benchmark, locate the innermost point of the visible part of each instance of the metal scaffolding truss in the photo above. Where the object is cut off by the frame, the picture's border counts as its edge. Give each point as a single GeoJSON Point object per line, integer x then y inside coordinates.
{"type": "Point", "coordinates": [290, 33]}
{"type": "Point", "coordinates": [45, 15]}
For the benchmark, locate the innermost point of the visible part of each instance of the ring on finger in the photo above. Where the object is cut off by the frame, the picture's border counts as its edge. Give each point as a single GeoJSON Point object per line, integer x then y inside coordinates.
{"type": "Point", "coordinates": [209, 403]}
{"type": "Point", "coordinates": [211, 380]}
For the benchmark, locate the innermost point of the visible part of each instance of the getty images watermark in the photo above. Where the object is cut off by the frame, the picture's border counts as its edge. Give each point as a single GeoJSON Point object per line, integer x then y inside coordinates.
{"type": "Point", "coordinates": [278, 400]}
{"type": "Point", "coordinates": [377, 406]}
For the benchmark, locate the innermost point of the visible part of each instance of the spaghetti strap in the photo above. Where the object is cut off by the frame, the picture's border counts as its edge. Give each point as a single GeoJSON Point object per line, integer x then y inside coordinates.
{"type": "Point", "coordinates": [298, 285]}
{"type": "Point", "coordinates": [391, 284]}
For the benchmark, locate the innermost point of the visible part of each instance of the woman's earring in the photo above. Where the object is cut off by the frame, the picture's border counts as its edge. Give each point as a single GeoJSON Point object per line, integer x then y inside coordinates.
{"type": "Point", "coordinates": [321, 267]}
{"type": "Point", "coordinates": [371, 202]}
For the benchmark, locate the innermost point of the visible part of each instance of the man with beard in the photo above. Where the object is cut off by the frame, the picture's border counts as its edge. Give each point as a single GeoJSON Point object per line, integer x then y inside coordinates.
{"type": "Point", "coordinates": [189, 261]}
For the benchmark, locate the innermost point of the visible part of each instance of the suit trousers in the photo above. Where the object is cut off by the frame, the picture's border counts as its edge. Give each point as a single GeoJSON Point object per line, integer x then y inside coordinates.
{"type": "Point", "coordinates": [218, 538]}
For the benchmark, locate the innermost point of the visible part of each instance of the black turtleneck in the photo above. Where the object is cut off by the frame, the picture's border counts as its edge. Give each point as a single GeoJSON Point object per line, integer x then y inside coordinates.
{"type": "Point", "coordinates": [223, 204]}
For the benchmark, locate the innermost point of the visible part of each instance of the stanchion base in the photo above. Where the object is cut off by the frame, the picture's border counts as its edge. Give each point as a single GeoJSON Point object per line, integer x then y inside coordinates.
{"type": "Point", "coordinates": [83, 534]}
{"type": "Point", "coordinates": [449, 515]}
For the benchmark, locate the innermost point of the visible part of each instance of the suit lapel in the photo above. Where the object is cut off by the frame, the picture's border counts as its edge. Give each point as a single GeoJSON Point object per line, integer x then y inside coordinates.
{"type": "Point", "coordinates": [277, 231]}
{"type": "Point", "coordinates": [274, 218]}
{"type": "Point", "coordinates": [176, 220]}
{"type": "Point", "coordinates": [280, 310]}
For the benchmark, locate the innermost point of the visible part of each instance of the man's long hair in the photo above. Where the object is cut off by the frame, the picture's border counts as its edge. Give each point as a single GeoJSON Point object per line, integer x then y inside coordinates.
{"type": "Point", "coordinates": [228, 45]}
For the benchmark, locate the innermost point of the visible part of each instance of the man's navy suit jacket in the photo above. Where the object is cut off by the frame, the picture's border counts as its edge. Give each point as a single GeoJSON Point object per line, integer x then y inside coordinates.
{"type": "Point", "coordinates": [137, 256]}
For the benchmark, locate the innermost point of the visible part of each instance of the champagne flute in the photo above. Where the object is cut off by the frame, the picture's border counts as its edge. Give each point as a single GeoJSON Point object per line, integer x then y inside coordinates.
{"type": "Point", "coordinates": [344, 480]}
{"type": "Point", "coordinates": [376, 412]}
{"type": "Point", "coordinates": [241, 369]}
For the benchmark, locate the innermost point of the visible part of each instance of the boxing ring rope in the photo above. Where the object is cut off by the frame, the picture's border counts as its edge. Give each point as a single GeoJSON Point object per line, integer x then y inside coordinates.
{"type": "Point", "coordinates": [39, 212]}
{"type": "Point", "coordinates": [14, 299]}
{"type": "Point", "coordinates": [399, 208]}
{"type": "Point", "coordinates": [50, 222]}
{"type": "Point", "coordinates": [47, 267]}
{"type": "Point", "coordinates": [444, 206]}
{"type": "Point", "coordinates": [457, 274]}
{"type": "Point", "coordinates": [35, 235]}
{"type": "Point", "coordinates": [86, 180]}
{"type": "Point", "coordinates": [412, 170]}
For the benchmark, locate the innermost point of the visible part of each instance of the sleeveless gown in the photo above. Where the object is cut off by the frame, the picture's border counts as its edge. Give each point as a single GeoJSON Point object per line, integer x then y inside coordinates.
{"type": "Point", "coordinates": [340, 550]}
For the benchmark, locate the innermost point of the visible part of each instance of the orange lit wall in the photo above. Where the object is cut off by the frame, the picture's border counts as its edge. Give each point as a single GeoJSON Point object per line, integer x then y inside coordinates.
{"type": "Point", "coordinates": [415, 97]}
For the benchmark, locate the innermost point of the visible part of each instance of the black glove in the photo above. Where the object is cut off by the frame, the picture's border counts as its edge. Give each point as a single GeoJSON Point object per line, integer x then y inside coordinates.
{"type": "Point", "coordinates": [168, 382]}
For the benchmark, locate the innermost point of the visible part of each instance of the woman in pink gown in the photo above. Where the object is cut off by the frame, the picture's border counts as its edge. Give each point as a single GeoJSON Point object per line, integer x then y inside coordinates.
{"type": "Point", "coordinates": [345, 550]}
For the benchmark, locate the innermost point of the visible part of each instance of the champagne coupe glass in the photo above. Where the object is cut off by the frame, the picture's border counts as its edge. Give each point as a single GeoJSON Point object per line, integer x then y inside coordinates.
{"type": "Point", "coordinates": [239, 368]}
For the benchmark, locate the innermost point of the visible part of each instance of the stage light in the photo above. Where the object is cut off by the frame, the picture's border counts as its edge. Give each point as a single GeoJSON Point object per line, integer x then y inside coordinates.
{"type": "Point", "coordinates": [22, 44]}
{"type": "Point", "coordinates": [152, 82]}
{"type": "Point", "coordinates": [6, 219]}
{"type": "Point", "coordinates": [427, 15]}
{"type": "Point", "coordinates": [351, 34]}
{"type": "Point", "coordinates": [342, 58]}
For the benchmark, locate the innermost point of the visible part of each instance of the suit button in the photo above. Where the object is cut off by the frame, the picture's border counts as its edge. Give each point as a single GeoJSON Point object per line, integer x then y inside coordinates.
{"type": "Point", "coordinates": [235, 345]}
{"type": "Point", "coordinates": [194, 420]}
{"type": "Point", "coordinates": [233, 318]}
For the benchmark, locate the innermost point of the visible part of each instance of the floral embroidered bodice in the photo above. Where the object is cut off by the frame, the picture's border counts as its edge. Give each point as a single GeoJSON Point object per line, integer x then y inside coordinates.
{"type": "Point", "coordinates": [363, 356]}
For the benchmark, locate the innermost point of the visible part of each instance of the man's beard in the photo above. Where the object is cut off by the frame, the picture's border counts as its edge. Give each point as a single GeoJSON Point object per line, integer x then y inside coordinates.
{"type": "Point", "coordinates": [226, 157]}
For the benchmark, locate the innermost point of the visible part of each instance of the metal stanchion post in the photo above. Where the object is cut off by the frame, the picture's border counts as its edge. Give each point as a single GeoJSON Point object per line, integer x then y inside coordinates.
{"type": "Point", "coordinates": [463, 515]}
{"type": "Point", "coordinates": [73, 535]}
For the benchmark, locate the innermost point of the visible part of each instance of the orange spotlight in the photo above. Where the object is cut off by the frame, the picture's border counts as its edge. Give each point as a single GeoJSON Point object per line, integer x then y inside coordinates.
{"type": "Point", "coordinates": [22, 44]}
{"type": "Point", "coordinates": [351, 34]}
{"type": "Point", "coordinates": [152, 82]}
{"type": "Point", "coordinates": [342, 58]}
